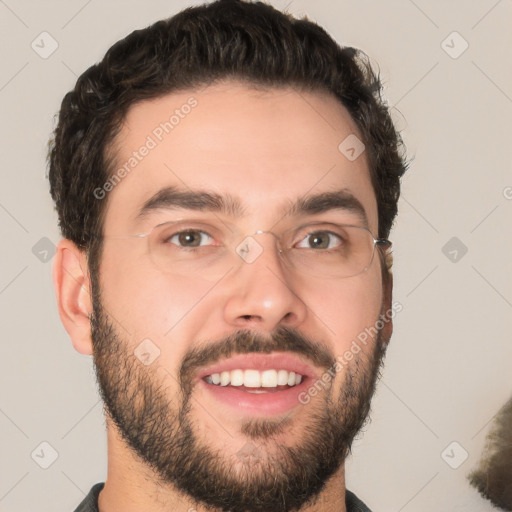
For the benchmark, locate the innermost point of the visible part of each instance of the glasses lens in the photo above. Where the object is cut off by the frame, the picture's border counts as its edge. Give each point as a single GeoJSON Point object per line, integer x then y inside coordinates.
{"type": "Point", "coordinates": [186, 250]}
{"type": "Point", "coordinates": [333, 251]}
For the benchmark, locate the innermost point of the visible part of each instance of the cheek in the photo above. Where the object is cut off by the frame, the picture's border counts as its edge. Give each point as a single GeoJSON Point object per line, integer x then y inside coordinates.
{"type": "Point", "coordinates": [348, 307]}
{"type": "Point", "coordinates": [146, 303]}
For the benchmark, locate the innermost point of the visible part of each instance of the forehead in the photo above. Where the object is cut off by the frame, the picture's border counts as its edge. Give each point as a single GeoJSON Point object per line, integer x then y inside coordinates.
{"type": "Point", "coordinates": [264, 148]}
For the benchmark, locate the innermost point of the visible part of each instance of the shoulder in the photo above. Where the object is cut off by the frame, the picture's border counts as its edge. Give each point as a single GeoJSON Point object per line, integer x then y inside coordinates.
{"type": "Point", "coordinates": [90, 502]}
{"type": "Point", "coordinates": [354, 504]}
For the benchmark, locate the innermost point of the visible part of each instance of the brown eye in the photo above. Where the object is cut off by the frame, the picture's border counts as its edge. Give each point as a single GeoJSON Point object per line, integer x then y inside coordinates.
{"type": "Point", "coordinates": [320, 240]}
{"type": "Point", "coordinates": [191, 238]}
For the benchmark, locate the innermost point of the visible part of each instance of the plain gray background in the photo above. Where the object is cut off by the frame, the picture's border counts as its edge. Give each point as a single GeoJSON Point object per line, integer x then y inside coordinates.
{"type": "Point", "coordinates": [448, 367]}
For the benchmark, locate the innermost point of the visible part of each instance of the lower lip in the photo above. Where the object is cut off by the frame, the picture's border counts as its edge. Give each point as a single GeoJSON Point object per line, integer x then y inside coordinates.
{"type": "Point", "coordinates": [261, 404]}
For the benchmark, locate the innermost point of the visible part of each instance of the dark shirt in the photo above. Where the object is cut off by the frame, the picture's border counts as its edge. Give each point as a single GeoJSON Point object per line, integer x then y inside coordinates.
{"type": "Point", "coordinates": [90, 503]}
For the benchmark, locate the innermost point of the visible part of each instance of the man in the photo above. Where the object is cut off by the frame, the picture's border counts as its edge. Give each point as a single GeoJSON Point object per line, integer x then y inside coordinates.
{"type": "Point", "coordinates": [226, 181]}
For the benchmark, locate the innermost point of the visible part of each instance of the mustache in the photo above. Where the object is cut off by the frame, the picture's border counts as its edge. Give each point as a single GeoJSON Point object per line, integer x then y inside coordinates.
{"type": "Point", "coordinates": [246, 341]}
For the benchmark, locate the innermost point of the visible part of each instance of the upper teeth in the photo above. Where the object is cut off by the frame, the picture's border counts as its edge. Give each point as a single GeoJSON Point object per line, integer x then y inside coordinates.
{"type": "Point", "coordinates": [255, 378]}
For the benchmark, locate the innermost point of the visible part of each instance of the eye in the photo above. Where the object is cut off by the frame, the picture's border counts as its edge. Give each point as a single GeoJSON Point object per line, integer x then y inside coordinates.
{"type": "Point", "coordinates": [190, 238]}
{"type": "Point", "coordinates": [320, 240]}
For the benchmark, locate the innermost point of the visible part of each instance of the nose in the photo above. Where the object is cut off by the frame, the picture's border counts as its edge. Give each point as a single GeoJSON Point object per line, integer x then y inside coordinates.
{"type": "Point", "coordinates": [263, 294]}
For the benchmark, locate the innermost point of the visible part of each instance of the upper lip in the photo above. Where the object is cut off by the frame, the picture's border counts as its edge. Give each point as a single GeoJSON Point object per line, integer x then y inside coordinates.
{"type": "Point", "coordinates": [258, 361]}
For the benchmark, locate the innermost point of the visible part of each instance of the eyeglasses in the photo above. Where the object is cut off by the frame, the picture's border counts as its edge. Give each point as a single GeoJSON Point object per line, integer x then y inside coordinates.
{"type": "Point", "coordinates": [209, 249]}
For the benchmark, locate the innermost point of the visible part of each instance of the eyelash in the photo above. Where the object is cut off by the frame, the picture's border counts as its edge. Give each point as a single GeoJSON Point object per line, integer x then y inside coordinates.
{"type": "Point", "coordinates": [185, 232]}
{"type": "Point", "coordinates": [323, 232]}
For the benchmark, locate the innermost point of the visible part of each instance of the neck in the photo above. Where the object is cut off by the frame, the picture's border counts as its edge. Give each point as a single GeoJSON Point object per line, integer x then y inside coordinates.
{"type": "Point", "coordinates": [131, 486]}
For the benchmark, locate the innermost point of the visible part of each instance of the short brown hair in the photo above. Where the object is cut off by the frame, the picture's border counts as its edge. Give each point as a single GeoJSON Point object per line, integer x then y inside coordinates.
{"type": "Point", "coordinates": [250, 42]}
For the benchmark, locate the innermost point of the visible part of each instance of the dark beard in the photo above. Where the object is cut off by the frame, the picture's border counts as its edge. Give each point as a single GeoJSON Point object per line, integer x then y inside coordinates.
{"type": "Point", "coordinates": [159, 429]}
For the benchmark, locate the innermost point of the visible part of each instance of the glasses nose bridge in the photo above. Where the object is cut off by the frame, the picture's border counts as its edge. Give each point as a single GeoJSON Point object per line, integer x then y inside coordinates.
{"type": "Point", "coordinates": [250, 248]}
{"type": "Point", "coordinates": [267, 232]}
{"type": "Point", "coordinates": [277, 240]}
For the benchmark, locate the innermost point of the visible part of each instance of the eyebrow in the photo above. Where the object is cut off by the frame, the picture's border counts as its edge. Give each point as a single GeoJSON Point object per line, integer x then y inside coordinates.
{"type": "Point", "coordinates": [173, 198]}
{"type": "Point", "coordinates": [325, 201]}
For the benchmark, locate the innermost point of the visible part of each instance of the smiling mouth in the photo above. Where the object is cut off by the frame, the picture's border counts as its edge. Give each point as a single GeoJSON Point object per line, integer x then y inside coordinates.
{"type": "Point", "coordinates": [255, 381]}
{"type": "Point", "coordinates": [258, 384]}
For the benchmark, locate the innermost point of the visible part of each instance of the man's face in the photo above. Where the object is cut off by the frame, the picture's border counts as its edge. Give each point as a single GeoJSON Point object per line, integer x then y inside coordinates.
{"type": "Point", "coordinates": [215, 309]}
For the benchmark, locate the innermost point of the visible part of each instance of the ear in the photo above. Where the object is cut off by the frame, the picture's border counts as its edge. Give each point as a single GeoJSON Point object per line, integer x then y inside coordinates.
{"type": "Point", "coordinates": [387, 312]}
{"type": "Point", "coordinates": [73, 291]}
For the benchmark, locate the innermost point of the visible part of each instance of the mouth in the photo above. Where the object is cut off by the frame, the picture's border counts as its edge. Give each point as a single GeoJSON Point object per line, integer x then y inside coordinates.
{"type": "Point", "coordinates": [258, 384]}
